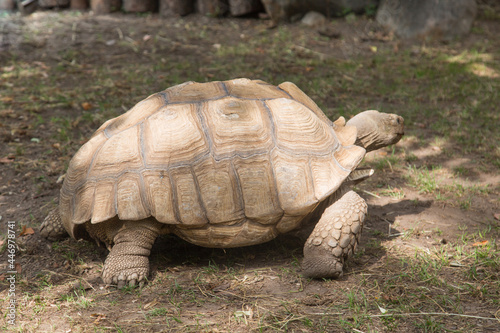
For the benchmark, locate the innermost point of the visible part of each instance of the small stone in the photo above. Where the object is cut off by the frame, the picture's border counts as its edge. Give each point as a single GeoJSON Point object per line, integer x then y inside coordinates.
{"type": "Point", "coordinates": [332, 243]}
{"type": "Point", "coordinates": [314, 19]}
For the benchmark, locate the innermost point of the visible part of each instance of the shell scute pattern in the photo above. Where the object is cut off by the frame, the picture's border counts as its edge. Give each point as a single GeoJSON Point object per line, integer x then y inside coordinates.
{"type": "Point", "coordinates": [237, 127]}
{"type": "Point", "coordinates": [215, 159]}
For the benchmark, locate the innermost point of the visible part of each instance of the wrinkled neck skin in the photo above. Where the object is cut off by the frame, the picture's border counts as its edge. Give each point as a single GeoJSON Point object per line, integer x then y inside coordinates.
{"type": "Point", "coordinates": [377, 130]}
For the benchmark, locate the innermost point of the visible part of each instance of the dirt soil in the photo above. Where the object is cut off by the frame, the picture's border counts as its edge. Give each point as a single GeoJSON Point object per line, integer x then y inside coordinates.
{"type": "Point", "coordinates": [418, 268]}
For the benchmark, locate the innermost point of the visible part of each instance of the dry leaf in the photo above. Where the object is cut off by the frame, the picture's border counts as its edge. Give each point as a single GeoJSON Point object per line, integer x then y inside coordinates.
{"type": "Point", "coordinates": [483, 243]}
{"type": "Point", "coordinates": [497, 216]}
{"type": "Point", "coordinates": [19, 269]}
{"type": "Point", "coordinates": [150, 304]}
{"type": "Point", "coordinates": [86, 106]}
{"type": "Point", "coordinates": [99, 317]}
{"type": "Point", "coordinates": [6, 160]}
{"type": "Point", "coordinates": [7, 112]}
{"type": "Point", "coordinates": [26, 231]}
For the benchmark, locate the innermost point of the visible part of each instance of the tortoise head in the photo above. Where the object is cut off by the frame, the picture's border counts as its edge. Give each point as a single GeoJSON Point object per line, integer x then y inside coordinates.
{"type": "Point", "coordinates": [377, 129]}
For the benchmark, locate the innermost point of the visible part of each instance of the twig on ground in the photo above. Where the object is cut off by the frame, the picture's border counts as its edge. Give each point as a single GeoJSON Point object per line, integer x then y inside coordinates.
{"type": "Point", "coordinates": [433, 314]}
{"type": "Point", "coordinates": [372, 194]}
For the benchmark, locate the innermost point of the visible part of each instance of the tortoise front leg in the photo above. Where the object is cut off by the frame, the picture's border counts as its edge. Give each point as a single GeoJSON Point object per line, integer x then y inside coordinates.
{"type": "Point", "coordinates": [335, 237]}
{"type": "Point", "coordinates": [52, 227]}
{"type": "Point", "coordinates": [128, 260]}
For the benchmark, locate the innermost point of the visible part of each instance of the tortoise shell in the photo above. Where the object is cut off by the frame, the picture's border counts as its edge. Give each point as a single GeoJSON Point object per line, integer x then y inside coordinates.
{"type": "Point", "coordinates": [222, 164]}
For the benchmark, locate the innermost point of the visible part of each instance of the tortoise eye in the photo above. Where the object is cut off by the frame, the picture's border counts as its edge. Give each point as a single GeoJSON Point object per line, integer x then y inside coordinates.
{"type": "Point", "coordinates": [397, 120]}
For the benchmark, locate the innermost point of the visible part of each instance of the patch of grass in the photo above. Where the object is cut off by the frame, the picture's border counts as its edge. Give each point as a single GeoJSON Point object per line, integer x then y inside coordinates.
{"type": "Point", "coordinates": [388, 162]}
{"type": "Point", "coordinates": [158, 312]}
{"type": "Point", "coordinates": [395, 193]}
{"type": "Point", "coordinates": [422, 179]}
{"type": "Point", "coordinates": [64, 128]}
{"type": "Point", "coordinates": [430, 325]}
{"type": "Point", "coordinates": [78, 297]}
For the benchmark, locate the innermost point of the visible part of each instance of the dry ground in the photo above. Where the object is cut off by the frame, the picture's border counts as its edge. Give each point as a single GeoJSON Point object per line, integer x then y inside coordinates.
{"type": "Point", "coordinates": [429, 258]}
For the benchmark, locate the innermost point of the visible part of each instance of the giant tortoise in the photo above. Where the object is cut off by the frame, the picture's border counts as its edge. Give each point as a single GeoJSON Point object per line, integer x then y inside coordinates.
{"type": "Point", "coordinates": [221, 164]}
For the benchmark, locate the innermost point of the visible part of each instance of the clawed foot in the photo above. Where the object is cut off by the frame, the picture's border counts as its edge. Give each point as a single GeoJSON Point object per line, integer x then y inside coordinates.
{"type": "Point", "coordinates": [52, 227]}
{"type": "Point", "coordinates": [122, 271]}
{"type": "Point", "coordinates": [51, 233]}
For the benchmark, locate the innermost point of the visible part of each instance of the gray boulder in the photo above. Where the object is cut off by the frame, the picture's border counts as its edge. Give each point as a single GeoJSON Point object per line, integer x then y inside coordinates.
{"type": "Point", "coordinates": [53, 3]}
{"type": "Point", "coordinates": [314, 19]}
{"type": "Point", "coordinates": [427, 19]}
{"type": "Point", "coordinates": [244, 7]}
{"type": "Point", "coordinates": [7, 4]}
{"type": "Point", "coordinates": [284, 10]}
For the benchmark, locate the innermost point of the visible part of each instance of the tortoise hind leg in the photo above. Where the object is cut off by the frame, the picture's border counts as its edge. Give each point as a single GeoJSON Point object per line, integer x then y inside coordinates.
{"type": "Point", "coordinates": [335, 237]}
{"type": "Point", "coordinates": [52, 227]}
{"type": "Point", "coordinates": [128, 262]}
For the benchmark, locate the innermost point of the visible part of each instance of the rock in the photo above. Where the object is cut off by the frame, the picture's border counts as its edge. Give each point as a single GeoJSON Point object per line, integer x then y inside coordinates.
{"type": "Point", "coordinates": [424, 19]}
{"type": "Point", "coordinates": [79, 4]}
{"type": "Point", "coordinates": [212, 7]}
{"type": "Point", "coordinates": [7, 4]}
{"type": "Point", "coordinates": [176, 7]}
{"type": "Point", "coordinates": [314, 19]}
{"type": "Point", "coordinates": [244, 7]}
{"type": "Point", "coordinates": [100, 7]}
{"type": "Point", "coordinates": [53, 3]}
{"type": "Point", "coordinates": [357, 6]}
{"type": "Point", "coordinates": [139, 6]}
{"type": "Point", "coordinates": [27, 7]}
{"type": "Point", "coordinates": [284, 10]}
